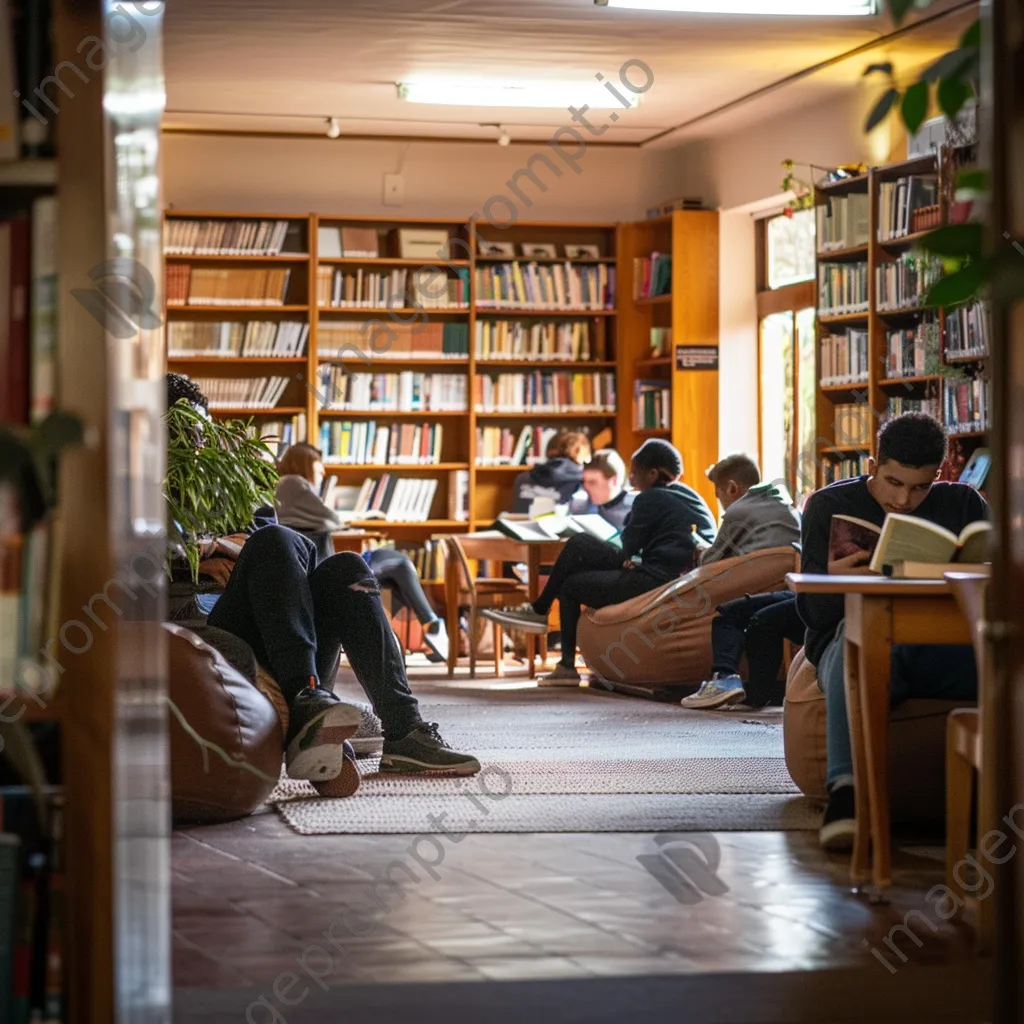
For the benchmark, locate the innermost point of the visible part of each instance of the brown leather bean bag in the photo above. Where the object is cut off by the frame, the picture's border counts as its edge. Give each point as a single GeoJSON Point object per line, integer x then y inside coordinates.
{"type": "Point", "coordinates": [665, 636]}
{"type": "Point", "coordinates": [223, 708]}
{"type": "Point", "coordinates": [917, 745]}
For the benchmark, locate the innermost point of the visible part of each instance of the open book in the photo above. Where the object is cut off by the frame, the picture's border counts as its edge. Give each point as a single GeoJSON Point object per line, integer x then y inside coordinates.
{"type": "Point", "coordinates": [904, 539]}
{"type": "Point", "coordinates": [555, 527]}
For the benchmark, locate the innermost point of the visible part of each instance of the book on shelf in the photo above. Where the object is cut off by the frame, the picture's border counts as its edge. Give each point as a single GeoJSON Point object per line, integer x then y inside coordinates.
{"type": "Point", "coordinates": [966, 405]}
{"type": "Point", "coordinates": [235, 338]}
{"type": "Point", "coordinates": [914, 351]}
{"type": "Point", "coordinates": [223, 286]}
{"type": "Point", "coordinates": [853, 424]}
{"type": "Point", "coordinates": [842, 222]}
{"type": "Point", "coordinates": [395, 499]}
{"type": "Point", "coordinates": [407, 391]}
{"type": "Point", "coordinates": [968, 331]}
{"type": "Point", "coordinates": [360, 242]}
{"type": "Point", "coordinates": [899, 200]}
{"type": "Point", "coordinates": [554, 286]}
{"type": "Point", "coordinates": [328, 242]}
{"type": "Point", "coordinates": [902, 284]}
{"type": "Point", "coordinates": [898, 405]}
{"type": "Point", "coordinates": [366, 442]}
{"type": "Point", "coordinates": [15, 337]}
{"type": "Point", "coordinates": [458, 499]}
{"type": "Point", "coordinates": [652, 408]}
{"type": "Point", "coordinates": [844, 357]}
{"type": "Point", "coordinates": [43, 307]}
{"type": "Point", "coordinates": [572, 341]}
{"type": "Point", "coordinates": [504, 446]}
{"type": "Point", "coordinates": [652, 275]}
{"type": "Point", "coordinates": [842, 288]}
{"type": "Point", "coordinates": [281, 434]}
{"type": "Point", "coordinates": [546, 391]}
{"type": "Point", "coordinates": [903, 538]}
{"type": "Point", "coordinates": [661, 342]}
{"type": "Point", "coordinates": [431, 288]}
{"type": "Point", "coordinates": [192, 237]}
{"type": "Point", "coordinates": [243, 392]}
{"type": "Point", "coordinates": [846, 468]}
{"type": "Point", "coordinates": [374, 339]}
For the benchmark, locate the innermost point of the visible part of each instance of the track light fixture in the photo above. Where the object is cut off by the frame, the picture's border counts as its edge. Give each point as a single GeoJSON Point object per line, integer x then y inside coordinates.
{"type": "Point", "coordinates": [333, 128]}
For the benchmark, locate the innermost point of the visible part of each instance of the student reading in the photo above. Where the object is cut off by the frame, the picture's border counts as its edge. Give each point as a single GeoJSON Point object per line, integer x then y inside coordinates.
{"type": "Point", "coordinates": [659, 543]}
{"type": "Point", "coordinates": [902, 480]}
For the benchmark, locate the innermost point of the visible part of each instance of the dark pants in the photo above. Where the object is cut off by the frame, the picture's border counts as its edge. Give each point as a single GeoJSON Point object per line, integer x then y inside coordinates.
{"type": "Point", "coordinates": [395, 570]}
{"type": "Point", "coordinates": [589, 572]}
{"type": "Point", "coordinates": [757, 625]}
{"type": "Point", "coordinates": [297, 616]}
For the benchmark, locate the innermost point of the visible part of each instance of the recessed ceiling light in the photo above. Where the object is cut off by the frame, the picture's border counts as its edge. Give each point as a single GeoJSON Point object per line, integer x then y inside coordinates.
{"type": "Point", "coordinates": [469, 93]}
{"type": "Point", "coordinates": [767, 8]}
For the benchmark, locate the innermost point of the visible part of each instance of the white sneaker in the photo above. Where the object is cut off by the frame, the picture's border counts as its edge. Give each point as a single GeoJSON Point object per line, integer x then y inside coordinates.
{"type": "Point", "coordinates": [716, 692]}
{"type": "Point", "coordinates": [561, 676]}
{"type": "Point", "coordinates": [435, 636]}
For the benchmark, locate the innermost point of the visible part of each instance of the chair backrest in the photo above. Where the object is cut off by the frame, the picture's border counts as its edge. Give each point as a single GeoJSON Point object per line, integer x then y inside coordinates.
{"type": "Point", "coordinates": [453, 549]}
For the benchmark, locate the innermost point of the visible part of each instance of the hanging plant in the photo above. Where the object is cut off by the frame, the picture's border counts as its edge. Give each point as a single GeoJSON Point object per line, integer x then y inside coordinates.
{"type": "Point", "coordinates": [803, 193]}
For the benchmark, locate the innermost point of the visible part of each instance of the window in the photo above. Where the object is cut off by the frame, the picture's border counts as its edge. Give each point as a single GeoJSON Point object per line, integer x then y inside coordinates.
{"type": "Point", "coordinates": [786, 351]}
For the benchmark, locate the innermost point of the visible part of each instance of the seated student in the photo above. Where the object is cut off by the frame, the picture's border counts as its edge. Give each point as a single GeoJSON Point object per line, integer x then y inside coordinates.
{"type": "Point", "coordinates": [297, 616]}
{"type": "Point", "coordinates": [300, 506]}
{"type": "Point", "coordinates": [902, 479]}
{"type": "Point", "coordinates": [658, 544]}
{"type": "Point", "coordinates": [559, 478]}
{"type": "Point", "coordinates": [604, 480]}
{"type": "Point", "coordinates": [756, 515]}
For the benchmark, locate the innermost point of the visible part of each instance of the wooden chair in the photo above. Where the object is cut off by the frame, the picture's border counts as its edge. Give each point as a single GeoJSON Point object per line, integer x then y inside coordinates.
{"type": "Point", "coordinates": [966, 754]}
{"type": "Point", "coordinates": [476, 594]}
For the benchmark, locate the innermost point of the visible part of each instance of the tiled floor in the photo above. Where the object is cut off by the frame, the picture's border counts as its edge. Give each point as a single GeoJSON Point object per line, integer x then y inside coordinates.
{"type": "Point", "coordinates": [255, 903]}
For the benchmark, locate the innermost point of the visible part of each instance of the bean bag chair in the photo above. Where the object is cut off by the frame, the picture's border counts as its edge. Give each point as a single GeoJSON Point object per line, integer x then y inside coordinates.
{"type": "Point", "coordinates": [664, 637]}
{"type": "Point", "coordinates": [917, 747]}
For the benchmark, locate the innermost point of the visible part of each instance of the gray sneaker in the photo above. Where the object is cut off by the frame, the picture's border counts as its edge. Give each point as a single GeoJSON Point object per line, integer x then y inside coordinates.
{"type": "Point", "coordinates": [522, 618]}
{"type": "Point", "coordinates": [368, 740]}
{"type": "Point", "coordinates": [716, 692]}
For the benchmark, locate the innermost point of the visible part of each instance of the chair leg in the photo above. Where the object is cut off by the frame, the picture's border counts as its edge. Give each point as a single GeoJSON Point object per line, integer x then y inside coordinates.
{"type": "Point", "coordinates": [472, 642]}
{"type": "Point", "coordinates": [499, 653]}
{"type": "Point", "coordinates": [959, 776]}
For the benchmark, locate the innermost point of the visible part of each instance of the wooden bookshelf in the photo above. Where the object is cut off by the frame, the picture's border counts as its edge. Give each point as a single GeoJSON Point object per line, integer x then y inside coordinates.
{"type": "Point", "coordinates": [880, 388]}
{"type": "Point", "coordinates": [690, 310]}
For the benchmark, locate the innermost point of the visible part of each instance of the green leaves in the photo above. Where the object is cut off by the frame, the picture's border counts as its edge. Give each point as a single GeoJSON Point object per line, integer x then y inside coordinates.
{"type": "Point", "coordinates": [915, 106]}
{"type": "Point", "coordinates": [961, 240]}
{"type": "Point", "coordinates": [958, 288]}
{"type": "Point", "coordinates": [973, 179]}
{"type": "Point", "coordinates": [953, 94]}
{"type": "Point", "coordinates": [882, 108]}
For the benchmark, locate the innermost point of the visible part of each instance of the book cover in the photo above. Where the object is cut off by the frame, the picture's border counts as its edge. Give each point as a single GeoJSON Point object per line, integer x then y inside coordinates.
{"type": "Point", "coordinates": [849, 534]}
{"type": "Point", "coordinates": [910, 539]}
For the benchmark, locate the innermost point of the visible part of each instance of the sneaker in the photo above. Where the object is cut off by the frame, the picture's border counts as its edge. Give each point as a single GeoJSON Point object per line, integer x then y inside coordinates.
{"type": "Point", "coordinates": [523, 618]}
{"type": "Point", "coordinates": [423, 750]}
{"type": "Point", "coordinates": [346, 782]}
{"type": "Point", "coordinates": [839, 824]}
{"type": "Point", "coordinates": [318, 725]}
{"type": "Point", "coordinates": [562, 676]}
{"type": "Point", "coordinates": [369, 737]}
{"type": "Point", "coordinates": [435, 636]}
{"type": "Point", "coordinates": [718, 691]}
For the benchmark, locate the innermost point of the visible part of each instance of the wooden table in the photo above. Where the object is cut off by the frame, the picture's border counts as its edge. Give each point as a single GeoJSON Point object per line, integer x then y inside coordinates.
{"type": "Point", "coordinates": [880, 612]}
{"type": "Point", "coordinates": [494, 546]}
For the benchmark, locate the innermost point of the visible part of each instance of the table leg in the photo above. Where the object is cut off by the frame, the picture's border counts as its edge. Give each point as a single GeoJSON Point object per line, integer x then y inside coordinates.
{"type": "Point", "coordinates": [859, 863]}
{"type": "Point", "coordinates": [451, 605]}
{"type": "Point", "coordinates": [875, 679]}
{"type": "Point", "coordinates": [533, 592]}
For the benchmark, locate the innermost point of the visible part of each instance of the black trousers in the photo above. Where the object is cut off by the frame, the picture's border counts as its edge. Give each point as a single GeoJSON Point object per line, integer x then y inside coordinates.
{"type": "Point", "coordinates": [297, 617]}
{"type": "Point", "coordinates": [589, 572]}
{"type": "Point", "coordinates": [394, 569]}
{"type": "Point", "coordinates": [757, 625]}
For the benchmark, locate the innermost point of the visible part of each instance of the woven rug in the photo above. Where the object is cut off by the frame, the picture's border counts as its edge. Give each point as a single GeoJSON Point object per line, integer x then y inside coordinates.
{"type": "Point", "coordinates": [576, 763]}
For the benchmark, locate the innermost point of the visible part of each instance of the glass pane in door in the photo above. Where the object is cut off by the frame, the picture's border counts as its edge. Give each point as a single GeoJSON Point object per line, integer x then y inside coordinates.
{"type": "Point", "coordinates": [777, 406]}
{"type": "Point", "coordinates": [802, 474]}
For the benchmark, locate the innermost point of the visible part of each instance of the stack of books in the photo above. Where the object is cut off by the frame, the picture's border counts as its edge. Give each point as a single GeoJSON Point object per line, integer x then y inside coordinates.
{"type": "Point", "coordinates": [228, 237]}
{"type": "Point", "coordinates": [408, 391]}
{"type": "Point", "coordinates": [844, 358]}
{"type": "Point", "coordinates": [903, 283]}
{"type": "Point", "coordinates": [365, 442]}
{"type": "Point", "coordinates": [652, 275]}
{"type": "Point", "coordinates": [898, 405]}
{"type": "Point", "coordinates": [395, 289]}
{"type": "Point", "coordinates": [845, 469]}
{"type": "Point", "coordinates": [842, 288]}
{"type": "Point", "coordinates": [898, 201]}
{"type": "Point", "coordinates": [546, 391]}
{"type": "Point", "coordinates": [232, 338]}
{"type": "Point", "coordinates": [502, 446]}
{"type": "Point", "coordinates": [652, 407]}
{"type": "Point", "coordinates": [967, 405]}
{"type": "Point", "coordinates": [572, 341]}
{"type": "Point", "coordinates": [242, 393]}
{"type": "Point", "coordinates": [842, 222]}
{"type": "Point", "coordinates": [968, 331]}
{"type": "Point", "coordinates": [546, 286]}
{"type": "Point", "coordinates": [213, 286]}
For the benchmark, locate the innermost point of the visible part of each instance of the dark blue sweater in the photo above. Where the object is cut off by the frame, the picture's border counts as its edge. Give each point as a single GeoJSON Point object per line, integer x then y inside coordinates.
{"type": "Point", "coordinates": [660, 529]}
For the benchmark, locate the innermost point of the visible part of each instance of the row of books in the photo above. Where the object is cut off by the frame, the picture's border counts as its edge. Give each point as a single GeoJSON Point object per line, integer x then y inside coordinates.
{"type": "Point", "coordinates": [652, 408]}
{"type": "Point", "coordinates": [544, 390]}
{"type": "Point", "coordinates": [903, 283]}
{"type": "Point", "coordinates": [505, 446]}
{"type": "Point", "coordinates": [572, 341]}
{"type": "Point", "coordinates": [234, 338]}
{"type": "Point", "coordinates": [189, 237]}
{"type": "Point", "coordinates": [898, 405]}
{"type": "Point", "coordinates": [898, 200]}
{"type": "Point", "coordinates": [212, 286]}
{"type": "Point", "coordinates": [226, 393]}
{"type": "Point", "coordinates": [652, 275]}
{"type": "Point", "coordinates": [842, 288]}
{"type": "Point", "coordinates": [408, 391]}
{"type": "Point", "coordinates": [914, 351]}
{"type": "Point", "coordinates": [353, 341]}
{"type": "Point", "coordinates": [844, 357]}
{"type": "Point", "coordinates": [352, 241]}
{"type": "Point", "coordinates": [842, 222]}
{"type": "Point", "coordinates": [281, 434]}
{"type": "Point", "coordinates": [395, 499]}
{"type": "Point", "coordinates": [547, 286]}
{"type": "Point", "coordinates": [854, 423]}
{"type": "Point", "coordinates": [967, 406]}
{"type": "Point", "coordinates": [430, 288]}
{"type": "Point", "coordinates": [368, 443]}
{"type": "Point", "coordinates": [429, 557]}
{"type": "Point", "coordinates": [846, 468]}
{"type": "Point", "coordinates": [968, 331]}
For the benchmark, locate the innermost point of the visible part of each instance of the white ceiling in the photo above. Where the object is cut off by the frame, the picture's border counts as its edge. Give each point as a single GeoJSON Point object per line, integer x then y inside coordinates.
{"type": "Point", "coordinates": [285, 65]}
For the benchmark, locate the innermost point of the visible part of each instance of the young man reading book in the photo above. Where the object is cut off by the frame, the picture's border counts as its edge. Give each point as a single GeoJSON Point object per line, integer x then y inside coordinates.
{"type": "Point", "coordinates": [604, 480]}
{"type": "Point", "coordinates": [900, 482]}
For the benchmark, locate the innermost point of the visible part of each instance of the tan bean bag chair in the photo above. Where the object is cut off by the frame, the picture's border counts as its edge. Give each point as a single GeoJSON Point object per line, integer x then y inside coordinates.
{"type": "Point", "coordinates": [664, 637]}
{"type": "Point", "coordinates": [917, 746]}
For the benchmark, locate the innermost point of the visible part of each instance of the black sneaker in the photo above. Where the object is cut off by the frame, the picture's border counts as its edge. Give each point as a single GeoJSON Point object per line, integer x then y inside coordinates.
{"type": "Point", "coordinates": [840, 822]}
{"type": "Point", "coordinates": [318, 724]}
{"type": "Point", "coordinates": [423, 750]}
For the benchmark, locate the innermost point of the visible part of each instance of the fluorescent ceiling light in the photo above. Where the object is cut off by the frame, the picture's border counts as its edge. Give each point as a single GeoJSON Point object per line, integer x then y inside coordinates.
{"type": "Point", "coordinates": [469, 93]}
{"type": "Point", "coordinates": [767, 8]}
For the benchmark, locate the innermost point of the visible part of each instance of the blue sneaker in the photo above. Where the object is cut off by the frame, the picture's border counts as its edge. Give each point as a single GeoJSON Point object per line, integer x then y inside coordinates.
{"type": "Point", "coordinates": [716, 692]}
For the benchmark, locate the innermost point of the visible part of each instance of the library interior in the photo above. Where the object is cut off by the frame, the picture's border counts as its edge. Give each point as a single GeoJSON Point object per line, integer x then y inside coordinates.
{"type": "Point", "coordinates": [511, 511]}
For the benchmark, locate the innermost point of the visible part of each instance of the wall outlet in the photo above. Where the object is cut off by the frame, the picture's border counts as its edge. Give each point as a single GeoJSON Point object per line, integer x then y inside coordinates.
{"type": "Point", "coordinates": [394, 190]}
